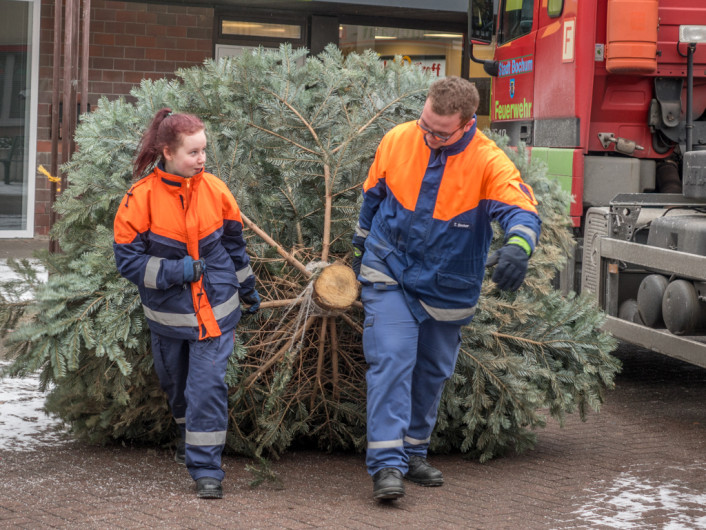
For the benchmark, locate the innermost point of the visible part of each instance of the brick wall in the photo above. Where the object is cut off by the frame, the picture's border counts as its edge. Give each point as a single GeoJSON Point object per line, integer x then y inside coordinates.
{"type": "Point", "coordinates": [129, 42]}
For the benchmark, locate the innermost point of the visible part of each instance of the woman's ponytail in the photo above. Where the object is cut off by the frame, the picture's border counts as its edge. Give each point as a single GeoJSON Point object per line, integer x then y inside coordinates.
{"type": "Point", "coordinates": [149, 152]}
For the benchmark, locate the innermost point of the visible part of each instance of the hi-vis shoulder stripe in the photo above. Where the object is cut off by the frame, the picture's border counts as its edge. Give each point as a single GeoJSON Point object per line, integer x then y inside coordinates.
{"type": "Point", "coordinates": [189, 319]}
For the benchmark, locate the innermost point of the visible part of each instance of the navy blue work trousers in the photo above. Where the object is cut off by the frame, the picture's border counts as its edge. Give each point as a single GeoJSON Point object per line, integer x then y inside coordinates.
{"type": "Point", "coordinates": [192, 373]}
{"type": "Point", "coordinates": [408, 363]}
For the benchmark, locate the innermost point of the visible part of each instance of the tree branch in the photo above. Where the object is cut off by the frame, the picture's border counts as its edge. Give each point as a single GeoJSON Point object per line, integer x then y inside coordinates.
{"type": "Point", "coordinates": [326, 238]}
{"type": "Point", "coordinates": [371, 120]}
{"type": "Point", "coordinates": [284, 349]}
{"type": "Point", "coordinates": [286, 255]}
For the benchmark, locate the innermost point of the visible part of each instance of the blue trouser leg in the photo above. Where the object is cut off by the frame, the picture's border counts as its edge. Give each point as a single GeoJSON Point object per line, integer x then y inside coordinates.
{"type": "Point", "coordinates": [390, 343]}
{"type": "Point", "coordinates": [207, 412]}
{"type": "Point", "coordinates": [408, 363]}
{"type": "Point", "coordinates": [171, 362]}
{"type": "Point", "coordinates": [436, 359]}
{"type": "Point", "coordinates": [205, 394]}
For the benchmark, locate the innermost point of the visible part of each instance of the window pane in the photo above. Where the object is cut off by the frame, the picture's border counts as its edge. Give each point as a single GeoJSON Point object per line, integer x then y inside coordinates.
{"type": "Point", "coordinates": [261, 29]}
{"type": "Point", "coordinates": [554, 8]}
{"type": "Point", "coordinates": [516, 19]}
{"type": "Point", "coordinates": [15, 45]}
{"type": "Point", "coordinates": [440, 52]}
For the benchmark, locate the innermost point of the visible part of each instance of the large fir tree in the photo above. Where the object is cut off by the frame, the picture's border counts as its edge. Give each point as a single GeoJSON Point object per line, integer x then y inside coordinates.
{"type": "Point", "coordinates": [293, 137]}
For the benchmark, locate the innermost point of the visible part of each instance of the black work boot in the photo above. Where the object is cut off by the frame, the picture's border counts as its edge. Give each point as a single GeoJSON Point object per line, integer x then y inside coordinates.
{"type": "Point", "coordinates": [387, 484]}
{"type": "Point", "coordinates": [209, 488]}
{"type": "Point", "coordinates": [422, 472]}
{"type": "Point", "coordinates": [180, 453]}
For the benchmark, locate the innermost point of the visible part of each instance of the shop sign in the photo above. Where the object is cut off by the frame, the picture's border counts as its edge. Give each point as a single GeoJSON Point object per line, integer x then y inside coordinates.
{"type": "Point", "coordinates": [434, 64]}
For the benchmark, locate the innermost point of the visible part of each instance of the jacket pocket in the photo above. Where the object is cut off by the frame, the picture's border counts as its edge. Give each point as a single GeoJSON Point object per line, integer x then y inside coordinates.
{"type": "Point", "coordinates": [176, 299]}
{"type": "Point", "coordinates": [379, 248]}
{"type": "Point", "coordinates": [454, 281]}
{"type": "Point", "coordinates": [463, 289]}
{"type": "Point", "coordinates": [370, 350]}
{"type": "Point", "coordinates": [220, 285]}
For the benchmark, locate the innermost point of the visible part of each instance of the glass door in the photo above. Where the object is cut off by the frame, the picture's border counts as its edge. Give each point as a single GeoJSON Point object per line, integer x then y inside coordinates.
{"type": "Point", "coordinates": [18, 102]}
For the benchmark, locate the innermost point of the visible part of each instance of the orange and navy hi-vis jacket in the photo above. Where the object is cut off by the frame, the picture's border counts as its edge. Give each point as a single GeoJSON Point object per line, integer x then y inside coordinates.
{"type": "Point", "coordinates": [160, 220]}
{"type": "Point", "coordinates": [426, 219]}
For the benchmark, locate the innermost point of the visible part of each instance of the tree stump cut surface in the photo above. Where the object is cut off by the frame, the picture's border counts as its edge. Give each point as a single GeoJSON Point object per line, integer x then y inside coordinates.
{"type": "Point", "coordinates": [336, 288]}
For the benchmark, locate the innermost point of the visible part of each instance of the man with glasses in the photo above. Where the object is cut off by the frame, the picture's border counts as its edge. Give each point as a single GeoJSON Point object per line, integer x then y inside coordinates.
{"type": "Point", "coordinates": [420, 249]}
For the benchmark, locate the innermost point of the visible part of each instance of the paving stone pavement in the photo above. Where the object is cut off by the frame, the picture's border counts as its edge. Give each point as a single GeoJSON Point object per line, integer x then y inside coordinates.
{"type": "Point", "coordinates": [639, 463]}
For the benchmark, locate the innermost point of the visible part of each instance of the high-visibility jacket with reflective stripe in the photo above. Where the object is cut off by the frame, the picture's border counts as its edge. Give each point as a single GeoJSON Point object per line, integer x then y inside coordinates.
{"type": "Point", "coordinates": [426, 218]}
{"type": "Point", "coordinates": [161, 219]}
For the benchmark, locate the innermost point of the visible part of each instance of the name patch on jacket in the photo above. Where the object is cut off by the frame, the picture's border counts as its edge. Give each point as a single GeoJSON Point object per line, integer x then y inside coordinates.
{"type": "Point", "coordinates": [463, 226]}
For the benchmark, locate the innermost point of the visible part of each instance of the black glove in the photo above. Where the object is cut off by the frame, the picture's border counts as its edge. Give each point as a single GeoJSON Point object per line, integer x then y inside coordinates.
{"type": "Point", "coordinates": [253, 300]}
{"type": "Point", "coordinates": [357, 259]}
{"type": "Point", "coordinates": [511, 266]}
{"type": "Point", "coordinates": [193, 269]}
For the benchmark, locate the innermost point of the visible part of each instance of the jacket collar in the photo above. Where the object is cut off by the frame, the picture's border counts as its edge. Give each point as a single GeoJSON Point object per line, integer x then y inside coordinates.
{"type": "Point", "coordinates": [459, 145]}
{"type": "Point", "coordinates": [175, 182]}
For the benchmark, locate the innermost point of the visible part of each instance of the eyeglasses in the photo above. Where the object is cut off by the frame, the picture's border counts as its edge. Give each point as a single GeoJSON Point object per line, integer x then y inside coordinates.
{"type": "Point", "coordinates": [440, 137]}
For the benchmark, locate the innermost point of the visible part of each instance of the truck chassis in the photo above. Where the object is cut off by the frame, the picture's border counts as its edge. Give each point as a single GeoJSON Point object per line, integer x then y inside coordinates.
{"type": "Point", "coordinates": [617, 258]}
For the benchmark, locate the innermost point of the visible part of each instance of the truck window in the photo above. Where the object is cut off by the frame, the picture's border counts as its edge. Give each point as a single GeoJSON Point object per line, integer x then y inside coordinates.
{"type": "Point", "coordinates": [516, 19]}
{"type": "Point", "coordinates": [555, 7]}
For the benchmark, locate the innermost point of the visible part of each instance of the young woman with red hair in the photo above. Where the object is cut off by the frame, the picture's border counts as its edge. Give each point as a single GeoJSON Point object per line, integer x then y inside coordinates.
{"type": "Point", "coordinates": [179, 237]}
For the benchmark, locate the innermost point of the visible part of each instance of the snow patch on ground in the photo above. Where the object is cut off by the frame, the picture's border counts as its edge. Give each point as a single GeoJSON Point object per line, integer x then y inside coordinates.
{"type": "Point", "coordinates": [632, 498]}
{"type": "Point", "coordinates": [24, 425]}
{"type": "Point", "coordinates": [7, 274]}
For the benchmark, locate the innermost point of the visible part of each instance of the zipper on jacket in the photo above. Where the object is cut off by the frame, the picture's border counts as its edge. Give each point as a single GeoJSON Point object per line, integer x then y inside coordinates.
{"type": "Point", "coordinates": [181, 197]}
{"type": "Point", "coordinates": [186, 201]}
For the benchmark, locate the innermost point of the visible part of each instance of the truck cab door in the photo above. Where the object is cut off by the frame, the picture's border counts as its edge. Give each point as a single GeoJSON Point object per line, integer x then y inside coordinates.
{"type": "Point", "coordinates": [513, 89]}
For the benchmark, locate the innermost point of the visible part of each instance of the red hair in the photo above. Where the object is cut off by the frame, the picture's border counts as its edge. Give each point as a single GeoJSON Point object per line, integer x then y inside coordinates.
{"type": "Point", "coordinates": [165, 131]}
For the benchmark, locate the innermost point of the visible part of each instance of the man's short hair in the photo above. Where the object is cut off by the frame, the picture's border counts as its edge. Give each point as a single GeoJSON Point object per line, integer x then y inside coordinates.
{"type": "Point", "coordinates": [453, 94]}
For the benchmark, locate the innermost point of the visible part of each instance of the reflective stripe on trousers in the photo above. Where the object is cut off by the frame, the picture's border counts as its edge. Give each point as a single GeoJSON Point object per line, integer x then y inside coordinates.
{"type": "Point", "coordinates": [192, 373]}
{"type": "Point", "coordinates": [408, 363]}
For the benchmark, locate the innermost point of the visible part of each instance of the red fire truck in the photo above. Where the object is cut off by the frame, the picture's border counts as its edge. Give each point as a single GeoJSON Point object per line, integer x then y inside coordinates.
{"type": "Point", "coordinates": [611, 94]}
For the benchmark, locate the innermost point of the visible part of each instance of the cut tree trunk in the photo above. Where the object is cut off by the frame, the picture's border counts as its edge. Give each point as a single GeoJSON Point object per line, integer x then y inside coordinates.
{"type": "Point", "coordinates": [336, 288]}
